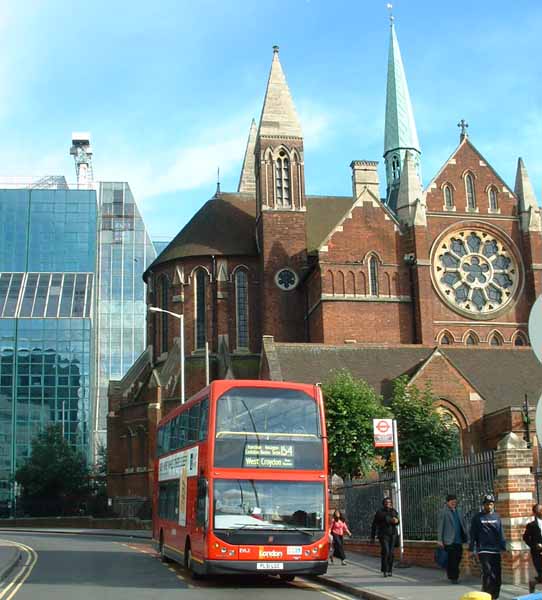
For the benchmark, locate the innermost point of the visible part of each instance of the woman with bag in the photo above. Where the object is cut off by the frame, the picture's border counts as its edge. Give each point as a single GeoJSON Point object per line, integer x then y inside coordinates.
{"type": "Point", "coordinates": [337, 530]}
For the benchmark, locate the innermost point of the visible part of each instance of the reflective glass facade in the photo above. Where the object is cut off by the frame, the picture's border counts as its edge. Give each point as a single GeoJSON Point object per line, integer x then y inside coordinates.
{"type": "Point", "coordinates": [125, 251]}
{"type": "Point", "coordinates": [47, 273]}
{"type": "Point", "coordinates": [72, 311]}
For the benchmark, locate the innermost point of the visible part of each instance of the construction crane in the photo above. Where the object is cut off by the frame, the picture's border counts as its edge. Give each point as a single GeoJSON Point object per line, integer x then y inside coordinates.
{"type": "Point", "coordinates": [82, 155]}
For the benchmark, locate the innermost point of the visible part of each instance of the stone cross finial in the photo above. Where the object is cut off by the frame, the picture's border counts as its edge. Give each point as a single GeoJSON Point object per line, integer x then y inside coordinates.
{"type": "Point", "coordinates": [464, 126]}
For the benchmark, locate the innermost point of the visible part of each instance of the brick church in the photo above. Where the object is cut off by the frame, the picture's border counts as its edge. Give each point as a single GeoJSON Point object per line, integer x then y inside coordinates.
{"type": "Point", "coordinates": [436, 283]}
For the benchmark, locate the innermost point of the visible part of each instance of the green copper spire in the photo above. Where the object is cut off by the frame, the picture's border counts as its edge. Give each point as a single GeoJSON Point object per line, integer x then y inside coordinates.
{"type": "Point", "coordinates": [400, 132]}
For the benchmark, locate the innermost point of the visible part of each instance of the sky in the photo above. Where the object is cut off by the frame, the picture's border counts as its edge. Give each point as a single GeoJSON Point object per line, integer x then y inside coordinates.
{"type": "Point", "coordinates": [168, 88]}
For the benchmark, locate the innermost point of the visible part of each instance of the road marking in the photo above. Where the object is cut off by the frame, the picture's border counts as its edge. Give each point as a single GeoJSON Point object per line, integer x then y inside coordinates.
{"type": "Point", "coordinates": [318, 588]}
{"type": "Point", "coordinates": [31, 559]}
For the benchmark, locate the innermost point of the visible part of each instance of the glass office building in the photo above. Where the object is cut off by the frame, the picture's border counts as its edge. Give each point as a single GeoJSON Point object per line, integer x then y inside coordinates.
{"type": "Point", "coordinates": [125, 252]}
{"type": "Point", "coordinates": [72, 311]}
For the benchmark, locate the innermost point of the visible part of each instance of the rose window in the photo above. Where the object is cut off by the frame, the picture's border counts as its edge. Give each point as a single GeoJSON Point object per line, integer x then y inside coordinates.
{"type": "Point", "coordinates": [475, 272]}
{"type": "Point", "coordinates": [286, 279]}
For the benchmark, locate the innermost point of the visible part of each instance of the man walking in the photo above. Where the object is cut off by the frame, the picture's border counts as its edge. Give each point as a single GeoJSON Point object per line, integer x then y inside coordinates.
{"type": "Point", "coordinates": [384, 527]}
{"type": "Point", "coordinates": [452, 534]}
{"type": "Point", "coordinates": [533, 538]}
{"type": "Point", "coordinates": [487, 540]}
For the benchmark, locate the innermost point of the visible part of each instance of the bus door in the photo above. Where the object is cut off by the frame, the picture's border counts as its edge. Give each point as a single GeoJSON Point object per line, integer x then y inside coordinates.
{"type": "Point", "coordinates": [201, 518]}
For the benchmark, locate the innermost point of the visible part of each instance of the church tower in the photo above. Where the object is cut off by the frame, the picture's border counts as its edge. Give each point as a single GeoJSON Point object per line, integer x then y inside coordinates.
{"type": "Point", "coordinates": [280, 209]}
{"type": "Point", "coordinates": [400, 134]}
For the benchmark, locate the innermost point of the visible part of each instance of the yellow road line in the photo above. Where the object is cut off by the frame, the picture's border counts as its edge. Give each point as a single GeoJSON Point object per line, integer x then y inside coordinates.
{"type": "Point", "coordinates": [322, 590]}
{"type": "Point", "coordinates": [13, 587]}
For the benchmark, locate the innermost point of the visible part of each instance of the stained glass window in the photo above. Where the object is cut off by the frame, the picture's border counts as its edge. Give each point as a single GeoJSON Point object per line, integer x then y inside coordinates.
{"type": "Point", "coordinates": [373, 276]}
{"type": "Point", "coordinates": [448, 197]}
{"type": "Point", "coordinates": [493, 204]}
{"type": "Point", "coordinates": [475, 272]}
{"type": "Point", "coordinates": [471, 198]}
{"type": "Point", "coordinates": [241, 299]}
{"type": "Point", "coordinates": [201, 317]}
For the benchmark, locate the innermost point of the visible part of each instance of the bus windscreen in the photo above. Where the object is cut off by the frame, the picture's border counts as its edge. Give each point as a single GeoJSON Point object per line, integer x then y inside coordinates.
{"type": "Point", "coordinates": [277, 505]}
{"type": "Point", "coordinates": [268, 428]}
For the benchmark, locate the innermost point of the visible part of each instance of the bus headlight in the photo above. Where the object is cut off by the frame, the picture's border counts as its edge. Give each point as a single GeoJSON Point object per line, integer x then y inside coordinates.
{"type": "Point", "coordinates": [307, 552]}
{"type": "Point", "coordinates": [223, 550]}
{"type": "Point", "coordinates": [315, 550]}
{"type": "Point", "coordinates": [232, 552]}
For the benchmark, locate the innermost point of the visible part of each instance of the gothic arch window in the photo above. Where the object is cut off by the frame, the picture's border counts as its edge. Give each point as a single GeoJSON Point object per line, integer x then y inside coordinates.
{"type": "Point", "coordinates": [495, 339]}
{"type": "Point", "coordinates": [395, 167]}
{"type": "Point", "coordinates": [351, 283]}
{"type": "Point", "coordinates": [448, 197]}
{"type": "Point", "coordinates": [241, 307]}
{"type": "Point", "coordinates": [446, 338]}
{"type": "Point", "coordinates": [373, 276]}
{"type": "Point", "coordinates": [200, 305]}
{"type": "Point", "coordinates": [493, 202]}
{"type": "Point", "coordinates": [282, 180]}
{"type": "Point", "coordinates": [469, 186]}
{"type": "Point", "coordinates": [471, 339]}
{"type": "Point", "coordinates": [362, 283]}
{"type": "Point", "coordinates": [519, 339]}
{"type": "Point", "coordinates": [164, 319]}
{"type": "Point", "coordinates": [451, 423]}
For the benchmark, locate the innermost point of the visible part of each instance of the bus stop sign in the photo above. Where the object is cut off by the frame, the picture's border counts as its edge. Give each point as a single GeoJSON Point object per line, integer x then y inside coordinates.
{"type": "Point", "coordinates": [383, 433]}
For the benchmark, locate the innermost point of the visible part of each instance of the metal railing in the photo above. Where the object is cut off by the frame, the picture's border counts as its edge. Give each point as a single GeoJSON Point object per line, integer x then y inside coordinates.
{"type": "Point", "coordinates": [424, 490]}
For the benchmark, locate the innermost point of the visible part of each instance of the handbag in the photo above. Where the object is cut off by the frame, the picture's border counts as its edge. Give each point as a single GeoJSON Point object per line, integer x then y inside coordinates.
{"type": "Point", "coordinates": [441, 557]}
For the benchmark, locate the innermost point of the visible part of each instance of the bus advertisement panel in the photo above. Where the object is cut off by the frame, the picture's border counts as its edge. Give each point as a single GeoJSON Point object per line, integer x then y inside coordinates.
{"type": "Point", "coordinates": [241, 480]}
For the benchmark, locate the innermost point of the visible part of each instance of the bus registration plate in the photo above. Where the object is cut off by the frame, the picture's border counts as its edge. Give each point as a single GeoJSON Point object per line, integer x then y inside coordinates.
{"type": "Point", "coordinates": [266, 566]}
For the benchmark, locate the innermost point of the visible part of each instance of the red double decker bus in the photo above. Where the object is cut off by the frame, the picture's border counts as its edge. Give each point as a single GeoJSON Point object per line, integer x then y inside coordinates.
{"type": "Point", "coordinates": [240, 481]}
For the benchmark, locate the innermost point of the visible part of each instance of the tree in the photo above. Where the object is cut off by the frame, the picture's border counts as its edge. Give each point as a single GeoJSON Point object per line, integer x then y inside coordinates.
{"type": "Point", "coordinates": [423, 434]}
{"type": "Point", "coordinates": [351, 405]}
{"type": "Point", "coordinates": [55, 477]}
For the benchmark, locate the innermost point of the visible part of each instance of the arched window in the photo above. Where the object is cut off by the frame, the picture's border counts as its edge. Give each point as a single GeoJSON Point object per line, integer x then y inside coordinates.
{"type": "Point", "coordinates": [471, 340]}
{"type": "Point", "coordinates": [241, 307]}
{"type": "Point", "coordinates": [200, 306]}
{"type": "Point", "coordinates": [395, 167]}
{"type": "Point", "coordinates": [495, 340]}
{"type": "Point", "coordinates": [448, 197]}
{"type": "Point", "coordinates": [493, 203]}
{"type": "Point", "coordinates": [373, 276]}
{"type": "Point", "coordinates": [164, 319]}
{"type": "Point", "coordinates": [519, 340]}
{"type": "Point", "coordinates": [282, 178]}
{"type": "Point", "coordinates": [446, 340]}
{"type": "Point", "coordinates": [471, 198]}
{"type": "Point", "coordinates": [451, 423]}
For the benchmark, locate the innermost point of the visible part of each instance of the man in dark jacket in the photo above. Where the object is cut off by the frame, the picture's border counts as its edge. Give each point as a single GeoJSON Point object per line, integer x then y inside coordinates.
{"type": "Point", "coordinates": [487, 540]}
{"type": "Point", "coordinates": [385, 528]}
{"type": "Point", "coordinates": [533, 538]}
{"type": "Point", "coordinates": [452, 534]}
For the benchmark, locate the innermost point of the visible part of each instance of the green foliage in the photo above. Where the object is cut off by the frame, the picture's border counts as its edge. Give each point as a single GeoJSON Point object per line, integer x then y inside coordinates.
{"type": "Point", "coordinates": [423, 435]}
{"type": "Point", "coordinates": [55, 476]}
{"type": "Point", "coordinates": [351, 405]}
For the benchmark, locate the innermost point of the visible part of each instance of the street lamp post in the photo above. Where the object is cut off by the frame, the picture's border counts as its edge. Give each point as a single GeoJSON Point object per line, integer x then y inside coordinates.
{"type": "Point", "coordinates": [155, 309]}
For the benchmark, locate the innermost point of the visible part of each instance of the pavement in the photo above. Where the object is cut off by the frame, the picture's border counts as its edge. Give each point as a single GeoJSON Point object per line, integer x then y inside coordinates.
{"type": "Point", "coordinates": [361, 577]}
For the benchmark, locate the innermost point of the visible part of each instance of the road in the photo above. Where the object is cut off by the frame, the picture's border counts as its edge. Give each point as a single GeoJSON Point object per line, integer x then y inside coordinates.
{"type": "Point", "coordinates": [64, 567]}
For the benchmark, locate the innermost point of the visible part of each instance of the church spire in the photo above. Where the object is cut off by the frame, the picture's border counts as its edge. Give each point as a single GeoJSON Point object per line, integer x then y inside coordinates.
{"type": "Point", "coordinates": [529, 211]}
{"type": "Point", "coordinates": [279, 117]}
{"type": "Point", "coordinates": [400, 129]}
{"type": "Point", "coordinates": [247, 180]}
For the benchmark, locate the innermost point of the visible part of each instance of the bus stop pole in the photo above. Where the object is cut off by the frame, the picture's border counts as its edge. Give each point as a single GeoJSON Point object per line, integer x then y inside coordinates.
{"type": "Point", "coordinates": [398, 486]}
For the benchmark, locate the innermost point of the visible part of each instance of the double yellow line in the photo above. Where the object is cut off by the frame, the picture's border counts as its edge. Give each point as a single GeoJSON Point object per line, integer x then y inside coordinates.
{"type": "Point", "coordinates": [31, 558]}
